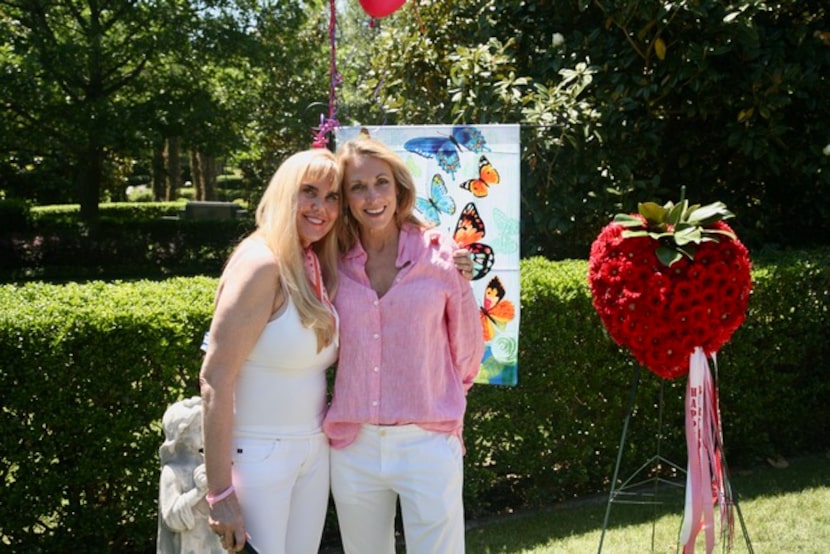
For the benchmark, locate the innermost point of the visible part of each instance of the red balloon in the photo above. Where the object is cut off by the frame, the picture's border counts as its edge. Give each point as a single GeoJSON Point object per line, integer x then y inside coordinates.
{"type": "Point", "coordinates": [380, 8]}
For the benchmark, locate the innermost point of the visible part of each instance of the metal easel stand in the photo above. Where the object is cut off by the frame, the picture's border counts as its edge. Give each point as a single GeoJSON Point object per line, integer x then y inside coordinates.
{"type": "Point", "coordinates": [734, 495]}
{"type": "Point", "coordinates": [632, 490]}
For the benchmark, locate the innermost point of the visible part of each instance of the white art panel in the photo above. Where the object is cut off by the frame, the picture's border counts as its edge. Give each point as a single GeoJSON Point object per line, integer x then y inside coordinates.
{"type": "Point", "coordinates": [468, 180]}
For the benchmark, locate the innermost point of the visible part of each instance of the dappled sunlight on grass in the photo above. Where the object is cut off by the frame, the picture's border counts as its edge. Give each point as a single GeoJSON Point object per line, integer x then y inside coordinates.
{"type": "Point", "coordinates": [784, 511]}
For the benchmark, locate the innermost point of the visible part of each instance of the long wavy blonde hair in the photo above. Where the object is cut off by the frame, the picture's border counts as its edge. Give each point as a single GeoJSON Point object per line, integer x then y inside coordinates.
{"type": "Point", "coordinates": [347, 229]}
{"type": "Point", "coordinates": [276, 220]}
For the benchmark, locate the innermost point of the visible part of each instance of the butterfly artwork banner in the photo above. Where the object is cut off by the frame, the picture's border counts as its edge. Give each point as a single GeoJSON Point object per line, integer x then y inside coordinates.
{"type": "Point", "coordinates": [468, 186]}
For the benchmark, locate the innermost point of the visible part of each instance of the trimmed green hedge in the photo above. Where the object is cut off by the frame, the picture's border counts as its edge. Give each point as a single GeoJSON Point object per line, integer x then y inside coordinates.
{"type": "Point", "coordinates": [557, 434]}
{"type": "Point", "coordinates": [45, 216]}
{"type": "Point", "coordinates": [86, 372]}
{"type": "Point", "coordinates": [130, 240]}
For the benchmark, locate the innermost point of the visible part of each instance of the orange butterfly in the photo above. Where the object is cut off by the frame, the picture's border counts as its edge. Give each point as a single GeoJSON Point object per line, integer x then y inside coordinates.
{"type": "Point", "coordinates": [487, 175]}
{"type": "Point", "coordinates": [495, 310]}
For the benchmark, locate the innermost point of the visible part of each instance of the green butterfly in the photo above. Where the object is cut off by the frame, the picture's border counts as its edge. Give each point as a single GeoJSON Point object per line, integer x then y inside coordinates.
{"type": "Point", "coordinates": [507, 233]}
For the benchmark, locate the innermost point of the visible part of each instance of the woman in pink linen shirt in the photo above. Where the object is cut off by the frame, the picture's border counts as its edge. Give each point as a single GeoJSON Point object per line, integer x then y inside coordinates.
{"type": "Point", "coordinates": [411, 345]}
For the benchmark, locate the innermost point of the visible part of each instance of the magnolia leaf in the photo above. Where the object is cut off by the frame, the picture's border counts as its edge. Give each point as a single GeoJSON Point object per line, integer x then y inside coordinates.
{"type": "Point", "coordinates": [688, 251]}
{"type": "Point", "coordinates": [723, 232]}
{"type": "Point", "coordinates": [660, 48]}
{"type": "Point", "coordinates": [627, 220]}
{"type": "Point", "coordinates": [677, 229]}
{"type": "Point", "coordinates": [668, 256]}
{"type": "Point", "coordinates": [653, 212]}
{"type": "Point", "coordinates": [688, 210]}
{"type": "Point", "coordinates": [675, 214]}
{"type": "Point", "coordinates": [687, 235]}
{"type": "Point", "coordinates": [658, 236]}
{"type": "Point", "coordinates": [710, 213]}
{"type": "Point", "coordinates": [728, 18]}
{"type": "Point", "coordinates": [632, 234]}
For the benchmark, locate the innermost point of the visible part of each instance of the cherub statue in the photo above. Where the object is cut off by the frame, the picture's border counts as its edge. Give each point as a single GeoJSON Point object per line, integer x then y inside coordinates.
{"type": "Point", "coordinates": [183, 510]}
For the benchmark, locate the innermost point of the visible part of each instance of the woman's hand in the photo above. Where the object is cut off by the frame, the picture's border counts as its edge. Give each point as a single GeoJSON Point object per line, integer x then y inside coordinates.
{"type": "Point", "coordinates": [463, 262]}
{"type": "Point", "coordinates": [226, 521]}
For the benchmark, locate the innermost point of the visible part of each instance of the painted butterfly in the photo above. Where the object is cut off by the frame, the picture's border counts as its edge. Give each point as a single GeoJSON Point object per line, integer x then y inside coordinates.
{"type": "Point", "coordinates": [413, 167]}
{"type": "Point", "coordinates": [495, 311]}
{"type": "Point", "coordinates": [487, 175]}
{"type": "Point", "coordinates": [439, 202]}
{"type": "Point", "coordinates": [507, 228]}
{"type": "Point", "coordinates": [446, 149]}
{"type": "Point", "coordinates": [468, 232]}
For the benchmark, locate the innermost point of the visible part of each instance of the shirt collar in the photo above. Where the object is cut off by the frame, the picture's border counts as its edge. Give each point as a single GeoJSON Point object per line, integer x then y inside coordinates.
{"type": "Point", "coordinates": [408, 241]}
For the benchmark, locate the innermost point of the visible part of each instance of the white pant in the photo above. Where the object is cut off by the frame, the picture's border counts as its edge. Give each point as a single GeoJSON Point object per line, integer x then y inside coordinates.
{"type": "Point", "coordinates": [425, 469]}
{"type": "Point", "coordinates": [283, 488]}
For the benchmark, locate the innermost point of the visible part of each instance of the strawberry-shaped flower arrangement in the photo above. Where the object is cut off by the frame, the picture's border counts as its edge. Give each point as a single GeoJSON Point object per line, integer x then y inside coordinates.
{"type": "Point", "coordinates": [671, 284]}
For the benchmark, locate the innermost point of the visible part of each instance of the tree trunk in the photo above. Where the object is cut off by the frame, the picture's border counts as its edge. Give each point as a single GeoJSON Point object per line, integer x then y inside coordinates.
{"type": "Point", "coordinates": [90, 175]}
{"type": "Point", "coordinates": [197, 176]}
{"type": "Point", "coordinates": [174, 168]}
{"type": "Point", "coordinates": [209, 176]}
{"type": "Point", "coordinates": [159, 178]}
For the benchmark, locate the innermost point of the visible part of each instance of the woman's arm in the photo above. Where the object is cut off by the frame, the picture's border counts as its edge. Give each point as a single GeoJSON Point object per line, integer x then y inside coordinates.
{"type": "Point", "coordinates": [464, 327]}
{"type": "Point", "coordinates": [244, 304]}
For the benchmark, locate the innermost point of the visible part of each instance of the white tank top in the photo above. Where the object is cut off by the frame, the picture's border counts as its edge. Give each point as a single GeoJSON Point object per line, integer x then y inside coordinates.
{"type": "Point", "coordinates": [281, 388]}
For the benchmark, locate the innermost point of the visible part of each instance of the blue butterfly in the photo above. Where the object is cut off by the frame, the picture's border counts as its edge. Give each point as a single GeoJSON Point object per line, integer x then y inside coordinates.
{"type": "Point", "coordinates": [439, 201]}
{"type": "Point", "coordinates": [446, 149]}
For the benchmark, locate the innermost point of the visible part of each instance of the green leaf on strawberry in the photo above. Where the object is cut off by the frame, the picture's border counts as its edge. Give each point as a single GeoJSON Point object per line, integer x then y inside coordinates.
{"type": "Point", "coordinates": [677, 228]}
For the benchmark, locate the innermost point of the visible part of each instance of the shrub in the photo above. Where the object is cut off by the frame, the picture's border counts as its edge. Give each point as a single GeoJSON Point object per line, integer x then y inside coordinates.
{"type": "Point", "coordinates": [130, 240]}
{"type": "Point", "coordinates": [139, 193]}
{"type": "Point", "coordinates": [88, 370]}
{"type": "Point", "coordinates": [14, 216]}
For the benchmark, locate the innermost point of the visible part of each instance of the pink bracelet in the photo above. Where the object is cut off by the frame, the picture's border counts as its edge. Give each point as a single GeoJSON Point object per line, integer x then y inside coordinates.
{"type": "Point", "coordinates": [215, 498]}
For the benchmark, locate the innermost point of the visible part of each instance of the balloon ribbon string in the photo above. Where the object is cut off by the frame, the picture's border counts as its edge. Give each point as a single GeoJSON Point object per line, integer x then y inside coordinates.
{"type": "Point", "coordinates": [418, 17]}
{"type": "Point", "coordinates": [328, 124]}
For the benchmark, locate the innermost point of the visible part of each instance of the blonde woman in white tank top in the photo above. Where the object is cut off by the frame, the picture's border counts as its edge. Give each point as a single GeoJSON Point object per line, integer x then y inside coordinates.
{"type": "Point", "coordinates": [273, 335]}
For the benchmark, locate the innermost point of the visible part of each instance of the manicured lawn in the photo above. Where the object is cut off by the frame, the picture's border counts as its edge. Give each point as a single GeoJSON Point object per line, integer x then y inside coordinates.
{"type": "Point", "coordinates": [785, 511]}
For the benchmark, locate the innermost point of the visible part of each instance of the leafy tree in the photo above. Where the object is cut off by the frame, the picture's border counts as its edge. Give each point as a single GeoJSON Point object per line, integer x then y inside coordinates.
{"type": "Point", "coordinates": [623, 102]}
{"type": "Point", "coordinates": [98, 83]}
{"type": "Point", "coordinates": [288, 79]}
{"type": "Point", "coordinates": [68, 73]}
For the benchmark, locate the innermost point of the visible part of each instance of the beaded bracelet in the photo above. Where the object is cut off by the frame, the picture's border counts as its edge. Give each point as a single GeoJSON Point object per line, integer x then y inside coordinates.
{"type": "Point", "coordinates": [213, 499]}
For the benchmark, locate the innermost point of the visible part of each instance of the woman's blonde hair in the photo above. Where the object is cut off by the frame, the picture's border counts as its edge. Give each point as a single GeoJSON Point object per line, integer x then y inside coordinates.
{"type": "Point", "coordinates": [276, 220]}
{"type": "Point", "coordinates": [347, 229]}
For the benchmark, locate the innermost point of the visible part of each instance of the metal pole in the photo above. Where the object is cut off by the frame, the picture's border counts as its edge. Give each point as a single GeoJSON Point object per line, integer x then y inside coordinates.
{"type": "Point", "coordinates": [635, 382]}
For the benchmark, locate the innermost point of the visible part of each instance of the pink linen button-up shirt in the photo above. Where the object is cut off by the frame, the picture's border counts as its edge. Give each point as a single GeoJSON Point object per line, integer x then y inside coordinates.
{"type": "Point", "coordinates": [411, 355]}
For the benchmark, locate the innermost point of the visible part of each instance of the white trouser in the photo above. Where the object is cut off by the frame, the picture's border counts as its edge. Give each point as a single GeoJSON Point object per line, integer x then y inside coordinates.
{"type": "Point", "coordinates": [283, 488]}
{"type": "Point", "coordinates": [425, 469]}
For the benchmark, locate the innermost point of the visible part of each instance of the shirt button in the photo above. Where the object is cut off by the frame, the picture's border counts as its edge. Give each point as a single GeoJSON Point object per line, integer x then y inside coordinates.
{"type": "Point", "coordinates": [374, 402]}
{"type": "Point", "coordinates": [375, 303]}
{"type": "Point", "coordinates": [376, 369]}
{"type": "Point", "coordinates": [376, 336]}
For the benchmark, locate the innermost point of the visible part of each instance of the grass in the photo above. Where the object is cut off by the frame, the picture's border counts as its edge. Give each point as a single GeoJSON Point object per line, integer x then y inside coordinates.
{"type": "Point", "coordinates": [784, 511]}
